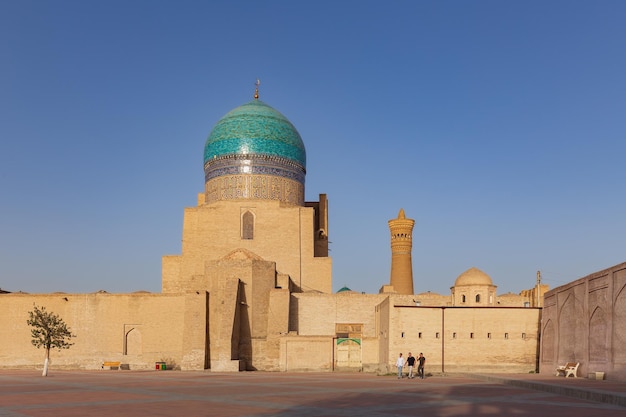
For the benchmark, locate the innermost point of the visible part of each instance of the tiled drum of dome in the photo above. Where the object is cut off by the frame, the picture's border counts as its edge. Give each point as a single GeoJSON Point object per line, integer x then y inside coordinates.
{"type": "Point", "coordinates": [254, 164]}
{"type": "Point", "coordinates": [254, 186]}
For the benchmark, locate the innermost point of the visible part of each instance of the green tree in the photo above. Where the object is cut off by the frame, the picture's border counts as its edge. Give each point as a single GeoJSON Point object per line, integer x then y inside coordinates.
{"type": "Point", "coordinates": [48, 331]}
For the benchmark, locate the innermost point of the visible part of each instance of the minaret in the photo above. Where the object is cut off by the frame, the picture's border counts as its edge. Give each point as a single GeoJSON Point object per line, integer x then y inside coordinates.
{"type": "Point", "coordinates": [401, 244]}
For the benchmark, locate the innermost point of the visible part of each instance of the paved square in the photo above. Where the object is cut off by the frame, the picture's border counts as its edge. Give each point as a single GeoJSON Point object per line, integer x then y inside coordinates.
{"type": "Point", "coordinates": [195, 394]}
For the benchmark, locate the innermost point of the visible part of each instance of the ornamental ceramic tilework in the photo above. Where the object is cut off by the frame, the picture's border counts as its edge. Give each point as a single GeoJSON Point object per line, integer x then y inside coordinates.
{"type": "Point", "coordinates": [253, 164]}
{"type": "Point", "coordinates": [255, 128]}
{"type": "Point", "coordinates": [254, 152]}
{"type": "Point", "coordinates": [261, 187]}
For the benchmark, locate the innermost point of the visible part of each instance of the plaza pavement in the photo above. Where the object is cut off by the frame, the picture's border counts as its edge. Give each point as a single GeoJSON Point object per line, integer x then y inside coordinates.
{"type": "Point", "coordinates": [111, 393]}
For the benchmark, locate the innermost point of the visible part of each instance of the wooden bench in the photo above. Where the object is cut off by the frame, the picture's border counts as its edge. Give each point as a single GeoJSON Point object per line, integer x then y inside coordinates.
{"type": "Point", "coordinates": [112, 364]}
{"type": "Point", "coordinates": [569, 369]}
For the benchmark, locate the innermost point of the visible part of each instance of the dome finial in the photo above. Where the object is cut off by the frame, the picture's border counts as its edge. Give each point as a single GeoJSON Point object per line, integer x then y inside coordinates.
{"type": "Point", "coordinates": [256, 90]}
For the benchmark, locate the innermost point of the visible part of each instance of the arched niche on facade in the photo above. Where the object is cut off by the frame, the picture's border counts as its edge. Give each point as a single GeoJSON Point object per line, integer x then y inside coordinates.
{"type": "Point", "coordinates": [247, 225]}
{"type": "Point", "coordinates": [598, 336]}
{"type": "Point", "coordinates": [619, 326]}
{"type": "Point", "coordinates": [132, 341]}
{"type": "Point", "coordinates": [567, 329]}
{"type": "Point", "coordinates": [548, 338]}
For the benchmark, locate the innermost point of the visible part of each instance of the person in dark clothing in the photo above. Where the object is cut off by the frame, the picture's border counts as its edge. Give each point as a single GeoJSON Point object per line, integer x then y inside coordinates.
{"type": "Point", "coordinates": [410, 362]}
{"type": "Point", "coordinates": [420, 366]}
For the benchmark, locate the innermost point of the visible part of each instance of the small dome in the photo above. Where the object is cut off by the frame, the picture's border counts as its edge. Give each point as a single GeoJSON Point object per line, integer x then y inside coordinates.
{"type": "Point", "coordinates": [473, 276]}
{"type": "Point", "coordinates": [344, 289]}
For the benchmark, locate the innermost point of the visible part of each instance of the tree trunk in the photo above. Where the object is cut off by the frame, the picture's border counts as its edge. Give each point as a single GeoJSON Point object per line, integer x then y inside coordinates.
{"type": "Point", "coordinates": [45, 363]}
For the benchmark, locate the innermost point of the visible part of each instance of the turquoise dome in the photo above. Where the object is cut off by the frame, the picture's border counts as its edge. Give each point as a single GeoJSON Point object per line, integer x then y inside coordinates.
{"type": "Point", "coordinates": [255, 129]}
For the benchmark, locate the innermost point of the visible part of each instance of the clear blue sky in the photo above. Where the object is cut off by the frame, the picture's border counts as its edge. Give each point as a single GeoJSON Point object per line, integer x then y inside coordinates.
{"type": "Point", "coordinates": [499, 126]}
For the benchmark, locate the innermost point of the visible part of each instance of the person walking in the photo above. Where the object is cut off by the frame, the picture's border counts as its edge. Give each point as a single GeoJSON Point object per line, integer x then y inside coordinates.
{"type": "Point", "coordinates": [410, 362]}
{"type": "Point", "coordinates": [400, 365]}
{"type": "Point", "coordinates": [421, 360]}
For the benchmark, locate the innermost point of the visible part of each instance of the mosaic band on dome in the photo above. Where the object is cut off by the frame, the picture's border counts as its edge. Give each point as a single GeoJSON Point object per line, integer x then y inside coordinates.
{"type": "Point", "coordinates": [254, 164]}
{"type": "Point", "coordinates": [260, 187]}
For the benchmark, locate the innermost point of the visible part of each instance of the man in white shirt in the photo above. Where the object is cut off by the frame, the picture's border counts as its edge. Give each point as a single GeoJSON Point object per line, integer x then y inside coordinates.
{"type": "Point", "coordinates": [400, 365]}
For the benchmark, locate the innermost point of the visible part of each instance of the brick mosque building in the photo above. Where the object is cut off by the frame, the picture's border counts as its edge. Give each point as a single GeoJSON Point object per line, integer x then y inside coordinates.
{"type": "Point", "coordinates": [252, 287]}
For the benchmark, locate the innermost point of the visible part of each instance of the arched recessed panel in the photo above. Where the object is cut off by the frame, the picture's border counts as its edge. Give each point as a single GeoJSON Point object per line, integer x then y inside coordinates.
{"type": "Point", "coordinates": [133, 342]}
{"type": "Point", "coordinates": [247, 225]}
{"type": "Point", "coordinates": [567, 330]}
{"type": "Point", "coordinates": [598, 336]}
{"type": "Point", "coordinates": [548, 339]}
{"type": "Point", "coordinates": [619, 326]}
